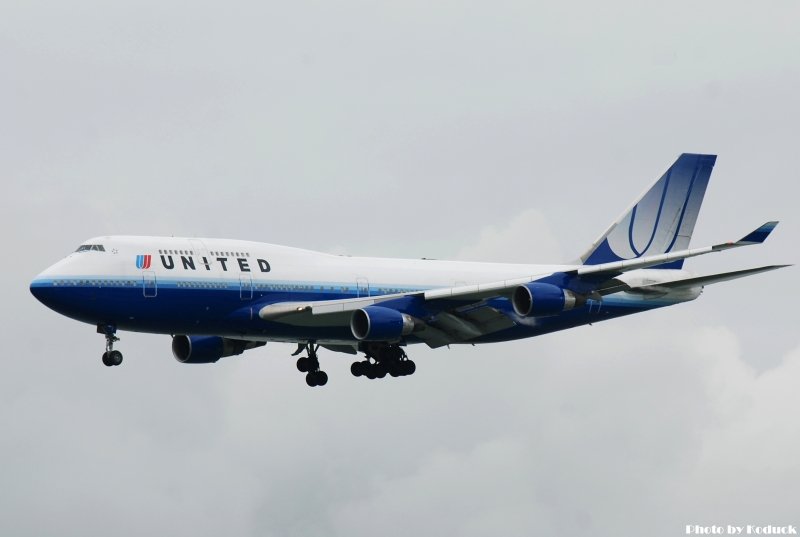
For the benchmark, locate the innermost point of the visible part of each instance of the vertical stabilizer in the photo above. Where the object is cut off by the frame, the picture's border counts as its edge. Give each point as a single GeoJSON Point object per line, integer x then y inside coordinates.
{"type": "Point", "coordinates": [660, 221]}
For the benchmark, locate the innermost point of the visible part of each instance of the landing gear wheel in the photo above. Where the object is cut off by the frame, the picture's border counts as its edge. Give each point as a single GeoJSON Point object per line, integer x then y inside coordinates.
{"type": "Point", "coordinates": [370, 372]}
{"type": "Point", "coordinates": [107, 359]}
{"type": "Point", "coordinates": [303, 364]}
{"type": "Point", "coordinates": [115, 357]}
{"type": "Point", "coordinates": [357, 369]}
{"type": "Point", "coordinates": [322, 378]}
{"type": "Point", "coordinates": [317, 378]}
{"type": "Point", "coordinates": [397, 369]}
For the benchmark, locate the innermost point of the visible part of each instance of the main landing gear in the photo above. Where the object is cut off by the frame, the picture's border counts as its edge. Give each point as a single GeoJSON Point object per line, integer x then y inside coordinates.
{"type": "Point", "coordinates": [383, 359]}
{"type": "Point", "coordinates": [110, 357]}
{"type": "Point", "coordinates": [310, 365]}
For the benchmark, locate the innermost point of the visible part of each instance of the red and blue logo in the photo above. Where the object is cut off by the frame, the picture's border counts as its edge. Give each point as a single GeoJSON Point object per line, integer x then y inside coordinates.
{"type": "Point", "coordinates": [143, 261]}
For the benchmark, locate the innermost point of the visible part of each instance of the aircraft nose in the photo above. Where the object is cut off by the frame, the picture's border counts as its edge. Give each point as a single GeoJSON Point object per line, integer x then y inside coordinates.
{"type": "Point", "coordinates": [39, 288]}
{"type": "Point", "coordinates": [44, 286]}
{"type": "Point", "coordinates": [51, 294]}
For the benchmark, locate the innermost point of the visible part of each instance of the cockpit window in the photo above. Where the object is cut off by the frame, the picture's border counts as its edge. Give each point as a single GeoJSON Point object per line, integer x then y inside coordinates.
{"type": "Point", "coordinates": [91, 247]}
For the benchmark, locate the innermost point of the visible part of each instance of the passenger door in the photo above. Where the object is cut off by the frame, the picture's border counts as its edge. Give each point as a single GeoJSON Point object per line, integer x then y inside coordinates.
{"type": "Point", "coordinates": [362, 287]}
{"type": "Point", "coordinates": [245, 287]}
{"type": "Point", "coordinates": [149, 284]}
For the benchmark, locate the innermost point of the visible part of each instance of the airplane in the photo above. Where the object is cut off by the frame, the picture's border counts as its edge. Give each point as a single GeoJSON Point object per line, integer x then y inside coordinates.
{"type": "Point", "coordinates": [218, 298]}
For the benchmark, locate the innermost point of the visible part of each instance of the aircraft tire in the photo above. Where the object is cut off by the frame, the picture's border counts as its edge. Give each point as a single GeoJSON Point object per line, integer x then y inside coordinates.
{"type": "Point", "coordinates": [396, 369]}
{"type": "Point", "coordinates": [317, 378]}
{"type": "Point", "coordinates": [357, 369]}
{"type": "Point", "coordinates": [115, 357]}
{"type": "Point", "coordinates": [302, 364]}
{"type": "Point", "coordinates": [107, 360]}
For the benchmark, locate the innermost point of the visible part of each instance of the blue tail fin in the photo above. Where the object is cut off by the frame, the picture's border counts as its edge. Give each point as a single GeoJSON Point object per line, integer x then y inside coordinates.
{"type": "Point", "coordinates": [662, 220]}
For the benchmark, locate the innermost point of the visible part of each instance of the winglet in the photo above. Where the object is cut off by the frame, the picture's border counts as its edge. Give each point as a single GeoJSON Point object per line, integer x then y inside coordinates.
{"type": "Point", "coordinates": [759, 235]}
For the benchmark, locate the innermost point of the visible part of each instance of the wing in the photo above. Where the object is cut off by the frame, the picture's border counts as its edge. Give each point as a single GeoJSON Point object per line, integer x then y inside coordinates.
{"type": "Point", "coordinates": [459, 314]}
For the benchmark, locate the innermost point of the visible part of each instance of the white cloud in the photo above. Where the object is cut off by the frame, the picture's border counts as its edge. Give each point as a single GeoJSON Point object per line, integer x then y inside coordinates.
{"type": "Point", "coordinates": [526, 238]}
{"type": "Point", "coordinates": [613, 436]}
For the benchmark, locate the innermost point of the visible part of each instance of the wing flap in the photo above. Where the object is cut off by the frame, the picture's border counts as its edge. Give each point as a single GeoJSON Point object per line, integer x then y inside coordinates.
{"type": "Point", "coordinates": [280, 310]}
{"type": "Point", "coordinates": [463, 324]}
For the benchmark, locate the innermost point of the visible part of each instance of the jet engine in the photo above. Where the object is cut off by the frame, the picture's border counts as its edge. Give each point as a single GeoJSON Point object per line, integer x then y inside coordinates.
{"type": "Point", "coordinates": [208, 349]}
{"type": "Point", "coordinates": [538, 299]}
{"type": "Point", "coordinates": [376, 323]}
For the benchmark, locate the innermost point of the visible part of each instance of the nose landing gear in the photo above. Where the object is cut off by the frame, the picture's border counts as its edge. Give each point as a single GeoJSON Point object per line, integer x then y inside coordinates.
{"type": "Point", "coordinates": [110, 357]}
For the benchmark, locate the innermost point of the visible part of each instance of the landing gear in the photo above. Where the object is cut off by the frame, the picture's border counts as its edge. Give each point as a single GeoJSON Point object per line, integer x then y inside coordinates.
{"type": "Point", "coordinates": [317, 378]}
{"type": "Point", "coordinates": [310, 365]}
{"type": "Point", "coordinates": [110, 357]}
{"type": "Point", "coordinates": [382, 359]}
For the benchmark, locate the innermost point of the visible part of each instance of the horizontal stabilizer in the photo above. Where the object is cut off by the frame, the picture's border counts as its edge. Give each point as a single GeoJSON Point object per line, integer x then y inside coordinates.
{"type": "Point", "coordinates": [701, 281]}
{"type": "Point", "coordinates": [618, 267]}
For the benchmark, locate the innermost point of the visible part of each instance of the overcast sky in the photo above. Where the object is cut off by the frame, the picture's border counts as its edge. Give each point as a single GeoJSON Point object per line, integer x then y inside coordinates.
{"type": "Point", "coordinates": [506, 131]}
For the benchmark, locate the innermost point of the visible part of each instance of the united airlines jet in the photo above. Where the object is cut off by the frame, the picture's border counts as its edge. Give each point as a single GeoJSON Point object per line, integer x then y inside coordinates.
{"type": "Point", "coordinates": [218, 298]}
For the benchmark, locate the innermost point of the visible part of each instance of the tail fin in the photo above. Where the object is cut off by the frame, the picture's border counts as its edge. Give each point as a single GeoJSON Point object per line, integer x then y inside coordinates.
{"type": "Point", "coordinates": [660, 221]}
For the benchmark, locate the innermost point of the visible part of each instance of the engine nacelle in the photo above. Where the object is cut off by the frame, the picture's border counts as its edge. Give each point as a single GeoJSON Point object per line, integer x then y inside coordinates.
{"type": "Point", "coordinates": [376, 323]}
{"type": "Point", "coordinates": [538, 299]}
{"type": "Point", "coordinates": [208, 349]}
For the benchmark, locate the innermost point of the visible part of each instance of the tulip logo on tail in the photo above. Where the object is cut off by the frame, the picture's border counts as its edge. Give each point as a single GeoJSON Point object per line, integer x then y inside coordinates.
{"type": "Point", "coordinates": [143, 261]}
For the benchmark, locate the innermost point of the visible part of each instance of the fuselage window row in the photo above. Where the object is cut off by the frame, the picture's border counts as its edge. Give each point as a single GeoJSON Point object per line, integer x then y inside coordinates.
{"type": "Point", "coordinates": [95, 283]}
{"type": "Point", "coordinates": [221, 285]}
{"type": "Point", "coordinates": [187, 252]}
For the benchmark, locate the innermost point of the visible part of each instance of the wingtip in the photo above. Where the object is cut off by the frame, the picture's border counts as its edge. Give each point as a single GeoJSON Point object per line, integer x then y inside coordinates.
{"type": "Point", "coordinates": [759, 235]}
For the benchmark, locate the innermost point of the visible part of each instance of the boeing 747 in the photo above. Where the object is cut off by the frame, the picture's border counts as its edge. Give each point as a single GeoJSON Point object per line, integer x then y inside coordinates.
{"type": "Point", "coordinates": [219, 298]}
